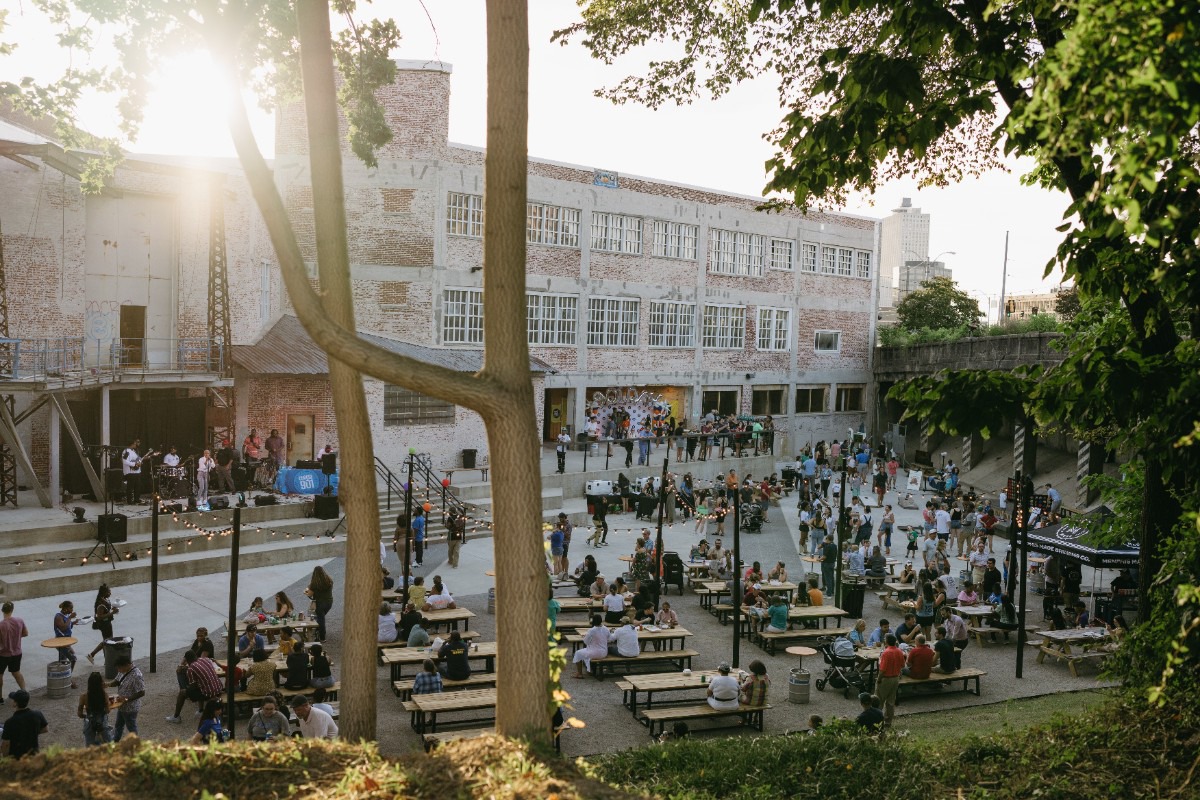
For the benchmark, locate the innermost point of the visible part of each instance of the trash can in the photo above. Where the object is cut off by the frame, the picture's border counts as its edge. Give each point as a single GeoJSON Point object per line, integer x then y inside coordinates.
{"type": "Point", "coordinates": [852, 599]}
{"type": "Point", "coordinates": [114, 649]}
{"type": "Point", "coordinates": [58, 678]}
{"type": "Point", "coordinates": [798, 685]}
{"type": "Point", "coordinates": [468, 459]}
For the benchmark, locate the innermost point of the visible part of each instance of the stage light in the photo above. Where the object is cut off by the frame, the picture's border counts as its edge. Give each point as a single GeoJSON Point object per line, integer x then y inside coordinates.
{"type": "Point", "coordinates": [79, 512]}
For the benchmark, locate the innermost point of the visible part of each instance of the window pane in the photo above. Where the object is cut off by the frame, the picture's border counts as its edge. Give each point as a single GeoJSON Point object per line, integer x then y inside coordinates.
{"type": "Point", "coordinates": [404, 407]}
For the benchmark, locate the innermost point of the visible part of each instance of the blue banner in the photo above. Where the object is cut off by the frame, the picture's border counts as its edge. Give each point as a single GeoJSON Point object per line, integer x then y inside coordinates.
{"type": "Point", "coordinates": [303, 481]}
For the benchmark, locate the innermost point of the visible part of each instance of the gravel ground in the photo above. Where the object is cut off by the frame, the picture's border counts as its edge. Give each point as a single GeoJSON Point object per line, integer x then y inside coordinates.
{"type": "Point", "coordinates": [609, 726]}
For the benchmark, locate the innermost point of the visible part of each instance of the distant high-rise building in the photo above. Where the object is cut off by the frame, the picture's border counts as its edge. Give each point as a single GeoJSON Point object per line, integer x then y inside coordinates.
{"type": "Point", "coordinates": [912, 273]}
{"type": "Point", "coordinates": [904, 237]}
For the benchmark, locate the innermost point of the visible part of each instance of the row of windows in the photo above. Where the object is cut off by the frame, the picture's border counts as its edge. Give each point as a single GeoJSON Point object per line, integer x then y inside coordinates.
{"type": "Point", "coordinates": [405, 407]}
{"type": "Point", "coordinates": [613, 322]}
{"type": "Point", "coordinates": [729, 252]}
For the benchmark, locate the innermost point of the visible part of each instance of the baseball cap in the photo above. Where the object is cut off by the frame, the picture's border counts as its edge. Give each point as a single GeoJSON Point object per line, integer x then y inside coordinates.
{"type": "Point", "coordinates": [20, 697]}
{"type": "Point", "coordinates": [723, 667]}
{"type": "Point", "coordinates": [299, 701]}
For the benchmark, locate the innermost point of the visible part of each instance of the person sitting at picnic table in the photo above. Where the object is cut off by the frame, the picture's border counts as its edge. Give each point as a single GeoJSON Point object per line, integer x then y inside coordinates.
{"type": "Point", "coordinates": [643, 605]}
{"type": "Point", "coordinates": [318, 701]}
{"type": "Point", "coordinates": [956, 629]}
{"type": "Point", "coordinates": [968, 596]}
{"type": "Point", "coordinates": [920, 659]}
{"type": "Point", "coordinates": [871, 716]}
{"type": "Point", "coordinates": [595, 646]}
{"type": "Point", "coordinates": [993, 582]}
{"type": "Point", "coordinates": [321, 674]}
{"type": "Point", "coordinates": [428, 681]}
{"type": "Point", "coordinates": [876, 564]}
{"type": "Point", "coordinates": [943, 646]}
{"type": "Point", "coordinates": [858, 636]}
{"type": "Point", "coordinates": [203, 683]}
{"type": "Point", "coordinates": [1082, 618]}
{"type": "Point", "coordinates": [1005, 618]}
{"type": "Point", "coordinates": [599, 588]}
{"type": "Point", "coordinates": [778, 573]}
{"type": "Point", "coordinates": [723, 690]}
{"type": "Point", "coordinates": [623, 588]}
{"type": "Point", "coordinates": [250, 641]}
{"type": "Point", "coordinates": [753, 574]}
{"type": "Point", "coordinates": [417, 592]}
{"type": "Point", "coordinates": [754, 603]}
{"type": "Point", "coordinates": [210, 724]}
{"type": "Point", "coordinates": [623, 640]}
{"type": "Point", "coordinates": [614, 605]}
{"type": "Point", "coordinates": [880, 634]}
{"type": "Point", "coordinates": [666, 617]}
{"type": "Point", "coordinates": [909, 630]}
{"type": "Point", "coordinates": [267, 723]}
{"type": "Point", "coordinates": [754, 688]}
{"type": "Point", "coordinates": [440, 600]}
{"type": "Point", "coordinates": [417, 635]}
{"type": "Point", "coordinates": [585, 573]}
{"type": "Point", "coordinates": [386, 632]}
{"type": "Point", "coordinates": [454, 655]}
{"type": "Point", "coordinates": [777, 613]}
{"type": "Point", "coordinates": [297, 666]}
{"type": "Point", "coordinates": [255, 612]}
{"type": "Point", "coordinates": [315, 723]}
{"type": "Point", "coordinates": [815, 598]}
{"type": "Point", "coordinates": [287, 641]}
{"type": "Point", "coordinates": [262, 674]}
{"type": "Point", "coordinates": [408, 619]}
{"type": "Point", "coordinates": [284, 607]}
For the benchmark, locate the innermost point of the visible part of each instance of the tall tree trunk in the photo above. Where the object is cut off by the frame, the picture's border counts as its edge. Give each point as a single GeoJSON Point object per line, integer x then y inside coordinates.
{"type": "Point", "coordinates": [357, 464]}
{"type": "Point", "coordinates": [521, 584]}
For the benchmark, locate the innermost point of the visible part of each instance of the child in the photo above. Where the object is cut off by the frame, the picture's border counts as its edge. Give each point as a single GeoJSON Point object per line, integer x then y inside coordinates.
{"type": "Point", "coordinates": [286, 642]}
{"type": "Point", "coordinates": [913, 535]}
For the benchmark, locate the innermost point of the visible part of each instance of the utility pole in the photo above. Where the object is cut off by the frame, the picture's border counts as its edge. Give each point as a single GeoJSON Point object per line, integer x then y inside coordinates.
{"type": "Point", "coordinates": [406, 571]}
{"type": "Point", "coordinates": [1003, 284]}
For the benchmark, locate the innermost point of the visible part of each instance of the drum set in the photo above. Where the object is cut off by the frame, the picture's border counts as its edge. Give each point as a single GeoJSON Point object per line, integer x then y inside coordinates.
{"type": "Point", "coordinates": [174, 481]}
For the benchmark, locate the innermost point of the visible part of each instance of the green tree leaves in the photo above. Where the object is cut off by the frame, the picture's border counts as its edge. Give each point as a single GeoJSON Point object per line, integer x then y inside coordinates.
{"type": "Point", "coordinates": [938, 304]}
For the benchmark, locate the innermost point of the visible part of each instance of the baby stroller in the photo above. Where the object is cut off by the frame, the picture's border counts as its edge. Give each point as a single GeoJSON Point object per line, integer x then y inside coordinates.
{"type": "Point", "coordinates": [752, 519]}
{"type": "Point", "coordinates": [841, 672]}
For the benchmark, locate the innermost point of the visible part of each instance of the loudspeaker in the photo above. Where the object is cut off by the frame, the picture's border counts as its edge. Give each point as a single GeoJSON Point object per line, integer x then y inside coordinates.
{"type": "Point", "coordinates": [174, 508]}
{"type": "Point", "coordinates": [325, 506]}
{"type": "Point", "coordinates": [329, 463]}
{"type": "Point", "coordinates": [216, 503]}
{"type": "Point", "coordinates": [112, 527]}
{"type": "Point", "coordinates": [114, 480]}
{"type": "Point", "coordinates": [241, 478]}
{"type": "Point", "coordinates": [265, 500]}
{"type": "Point", "coordinates": [191, 506]}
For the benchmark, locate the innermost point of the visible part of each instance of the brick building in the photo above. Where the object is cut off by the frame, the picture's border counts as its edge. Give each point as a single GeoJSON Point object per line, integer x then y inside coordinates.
{"type": "Point", "coordinates": [687, 294]}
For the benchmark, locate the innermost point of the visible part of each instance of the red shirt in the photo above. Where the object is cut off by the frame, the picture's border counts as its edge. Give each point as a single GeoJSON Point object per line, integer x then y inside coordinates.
{"type": "Point", "coordinates": [891, 661]}
{"type": "Point", "coordinates": [920, 661]}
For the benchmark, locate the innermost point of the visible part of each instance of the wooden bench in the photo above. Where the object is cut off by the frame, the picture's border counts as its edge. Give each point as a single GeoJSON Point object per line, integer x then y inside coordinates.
{"type": "Point", "coordinates": [658, 717]}
{"type": "Point", "coordinates": [381, 646]}
{"type": "Point", "coordinates": [681, 659]}
{"type": "Point", "coordinates": [243, 703]}
{"type": "Point", "coordinates": [403, 688]}
{"type": "Point", "coordinates": [432, 740]}
{"type": "Point", "coordinates": [768, 640]}
{"type": "Point", "coordinates": [965, 674]}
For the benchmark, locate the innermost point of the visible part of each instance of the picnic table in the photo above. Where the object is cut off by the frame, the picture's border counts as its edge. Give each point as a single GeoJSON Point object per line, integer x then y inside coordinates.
{"type": "Point", "coordinates": [822, 613]}
{"type": "Point", "coordinates": [270, 629]}
{"type": "Point", "coordinates": [974, 615]}
{"type": "Point", "coordinates": [426, 707]}
{"type": "Point", "coordinates": [651, 634]}
{"type": "Point", "coordinates": [400, 657]}
{"type": "Point", "coordinates": [697, 570]}
{"type": "Point", "coordinates": [450, 617]}
{"type": "Point", "coordinates": [786, 588]}
{"type": "Point", "coordinates": [1059, 644]}
{"type": "Point", "coordinates": [712, 592]}
{"type": "Point", "coordinates": [648, 684]}
{"type": "Point", "coordinates": [891, 597]}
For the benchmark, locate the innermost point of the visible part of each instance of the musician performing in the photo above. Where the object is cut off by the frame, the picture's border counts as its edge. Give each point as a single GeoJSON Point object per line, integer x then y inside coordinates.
{"type": "Point", "coordinates": [131, 468]}
{"type": "Point", "coordinates": [173, 476]}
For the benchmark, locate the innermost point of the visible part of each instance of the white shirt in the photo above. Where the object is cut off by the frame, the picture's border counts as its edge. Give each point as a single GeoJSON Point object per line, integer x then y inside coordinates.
{"type": "Point", "coordinates": [171, 460]}
{"type": "Point", "coordinates": [564, 439]}
{"type": "Point", "coordinates": [979, 559]}
{"type": "Point", "coordinates": [614, 602]}
{"type": "Point", "coordinates": [439, 601]}
{"type": "Point", "coordinates": [205, 464]}
{"type": "Point", "coordinates": [130, 463]}
{"type": "Point", "coordinates": [319, 725]}
{"type": "Point", "coordinates": [929, 548]}
{"type": "Point", "coordinates": [1003, 499]}
{"type": "Point", "coordinates": [942, 520]}
{"type": "Point", "coordinates": [725, 692]}
{"type": "Point", "coordinates": [627, 641]}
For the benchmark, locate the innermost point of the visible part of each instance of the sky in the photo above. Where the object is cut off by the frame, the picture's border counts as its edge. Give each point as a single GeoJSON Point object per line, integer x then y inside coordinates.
{"type": "Point", "coordinates": [714, 144]}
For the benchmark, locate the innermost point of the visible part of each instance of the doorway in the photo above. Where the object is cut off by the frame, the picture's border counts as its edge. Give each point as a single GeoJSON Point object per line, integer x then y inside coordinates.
{"type": "Point", "coordinates": [558, 413]}
{"type": "Point", "coordinates": [133, 333]}
{"type": "Point", "coordinates": [299, 438]}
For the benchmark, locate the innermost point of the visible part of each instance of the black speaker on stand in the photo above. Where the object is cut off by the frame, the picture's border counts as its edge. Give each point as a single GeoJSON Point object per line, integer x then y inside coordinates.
{"type": "Point", "coordinates": [110, 528]}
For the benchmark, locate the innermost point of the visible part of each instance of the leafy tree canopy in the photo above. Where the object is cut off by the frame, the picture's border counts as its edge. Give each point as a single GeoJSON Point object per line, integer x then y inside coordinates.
{"type": "Point", "coordinates": [938, 304]}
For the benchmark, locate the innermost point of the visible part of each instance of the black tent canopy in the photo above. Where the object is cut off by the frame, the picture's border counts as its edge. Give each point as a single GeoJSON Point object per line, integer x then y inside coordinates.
{"type": "Point", "coordinates": [1078, 541]}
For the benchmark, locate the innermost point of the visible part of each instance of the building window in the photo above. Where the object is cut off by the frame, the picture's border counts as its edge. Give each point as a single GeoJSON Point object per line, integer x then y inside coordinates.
{"type": "Point", "coordinates": [845, 262]}
{"type": "Point", "coordinates": [672, 324]}
{"type": "Point", "coordinates": [766, 401]}
{"type": "Point", "coordinates": [552, 318]}
{"type": "Point", "coordinates": [774, 328]}
{"type": "Point", "coordinates": [808, 257]}
{"type": "Point", "coordinates": [734, 253]}
{"type": "Point", "coordinates": [828, 260]}
{"type": "Point", "coordinates": [675, 240]}
{"type": "Point", "coordinates": [827, 341]}
{"type": "Point", "coordinates": [849, 398]}
{"type": "Point", "coordinates": [864, 263]}
{"type": "Point", "coordinates": [464, 215]}
{"type": "Point", "coordinates": [781, 254]}
{"type": "Point", "coordinates": [546, 224]}
{"type": "Point", "coordinates": [723, 401]}
{"type": "Point", "coordinates": [462, 316]}
{"type": "Point", "coordinates": [616, 233]}
{"type": "Point", "coordinates": [404, 407]}
{"type": "Point", "coordinates": [612, 322]}
{"type": "Point", "coordinates": [724, 327]}
{"type": "Point", "coordinates": [812, 399]}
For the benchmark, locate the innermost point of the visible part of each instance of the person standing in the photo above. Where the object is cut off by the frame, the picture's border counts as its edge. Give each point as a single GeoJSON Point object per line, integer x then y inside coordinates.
{"type": "Point", "coordinates": [12, 631]}
{"type": "Point", "coordinates": [829, 556]}
{"type": "Point", "coordinates": [131, 688]}
{"type": "Point", "coordinates": [64, 626]}
{"type": "Point", "coordinates": [275, 449]}
{"type": "Point", "coordinates": [456, 533]}
{"type": "Point", "coordinates": [224, 469]}
{"type": "Point", "coordinates": [887, 685]}
{"type": "Point", "coordinates": [418, 529]}
{"type": "Point", "coordinates": [320, 589]}
{"type": "Point", "coordinates": [205, 467]}
{"type": "Point", "coordinates": [93, 710]}
{"type": "Point", "coordinates": [893, 466]}
{"type": "Point", "coordinates": [102, 613]}
{"type": "Point", "coordinates": [564, 441]}
{"type": "Point", "coordinates": [22, 729]}
{"type": "Point", "coordinates": [131, 469]}
{"type": "Point", "coordinates": [252, 445]}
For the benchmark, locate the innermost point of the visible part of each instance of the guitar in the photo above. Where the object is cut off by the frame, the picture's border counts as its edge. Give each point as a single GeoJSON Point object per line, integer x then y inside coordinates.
{"type": "Point", "coordinates": [138, 465]}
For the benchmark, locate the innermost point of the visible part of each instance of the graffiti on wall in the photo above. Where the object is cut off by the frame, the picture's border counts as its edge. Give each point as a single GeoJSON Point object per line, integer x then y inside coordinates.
{"type": "Point", "coordinates": [633, 413]}
{"type": "Point", "coordinates": [102, 319]}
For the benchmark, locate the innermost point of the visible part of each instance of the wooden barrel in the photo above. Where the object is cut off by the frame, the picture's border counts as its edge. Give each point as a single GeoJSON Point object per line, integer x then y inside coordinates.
{"type": "Point", "coordinates": [58, 678]}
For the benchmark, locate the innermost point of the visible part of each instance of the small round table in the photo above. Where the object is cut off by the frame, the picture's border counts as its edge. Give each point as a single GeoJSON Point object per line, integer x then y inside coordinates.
{"type": "Point", "coordinates": [800, 652]}
{"type": "Point", "coordinates": [60, 641]}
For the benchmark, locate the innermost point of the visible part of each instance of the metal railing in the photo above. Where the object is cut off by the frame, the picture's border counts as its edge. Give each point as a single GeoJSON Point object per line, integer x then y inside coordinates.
{"type": "Point", "coordinates": [428, 484]}
{"type": "Point", "coordinates": [79, 357]}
